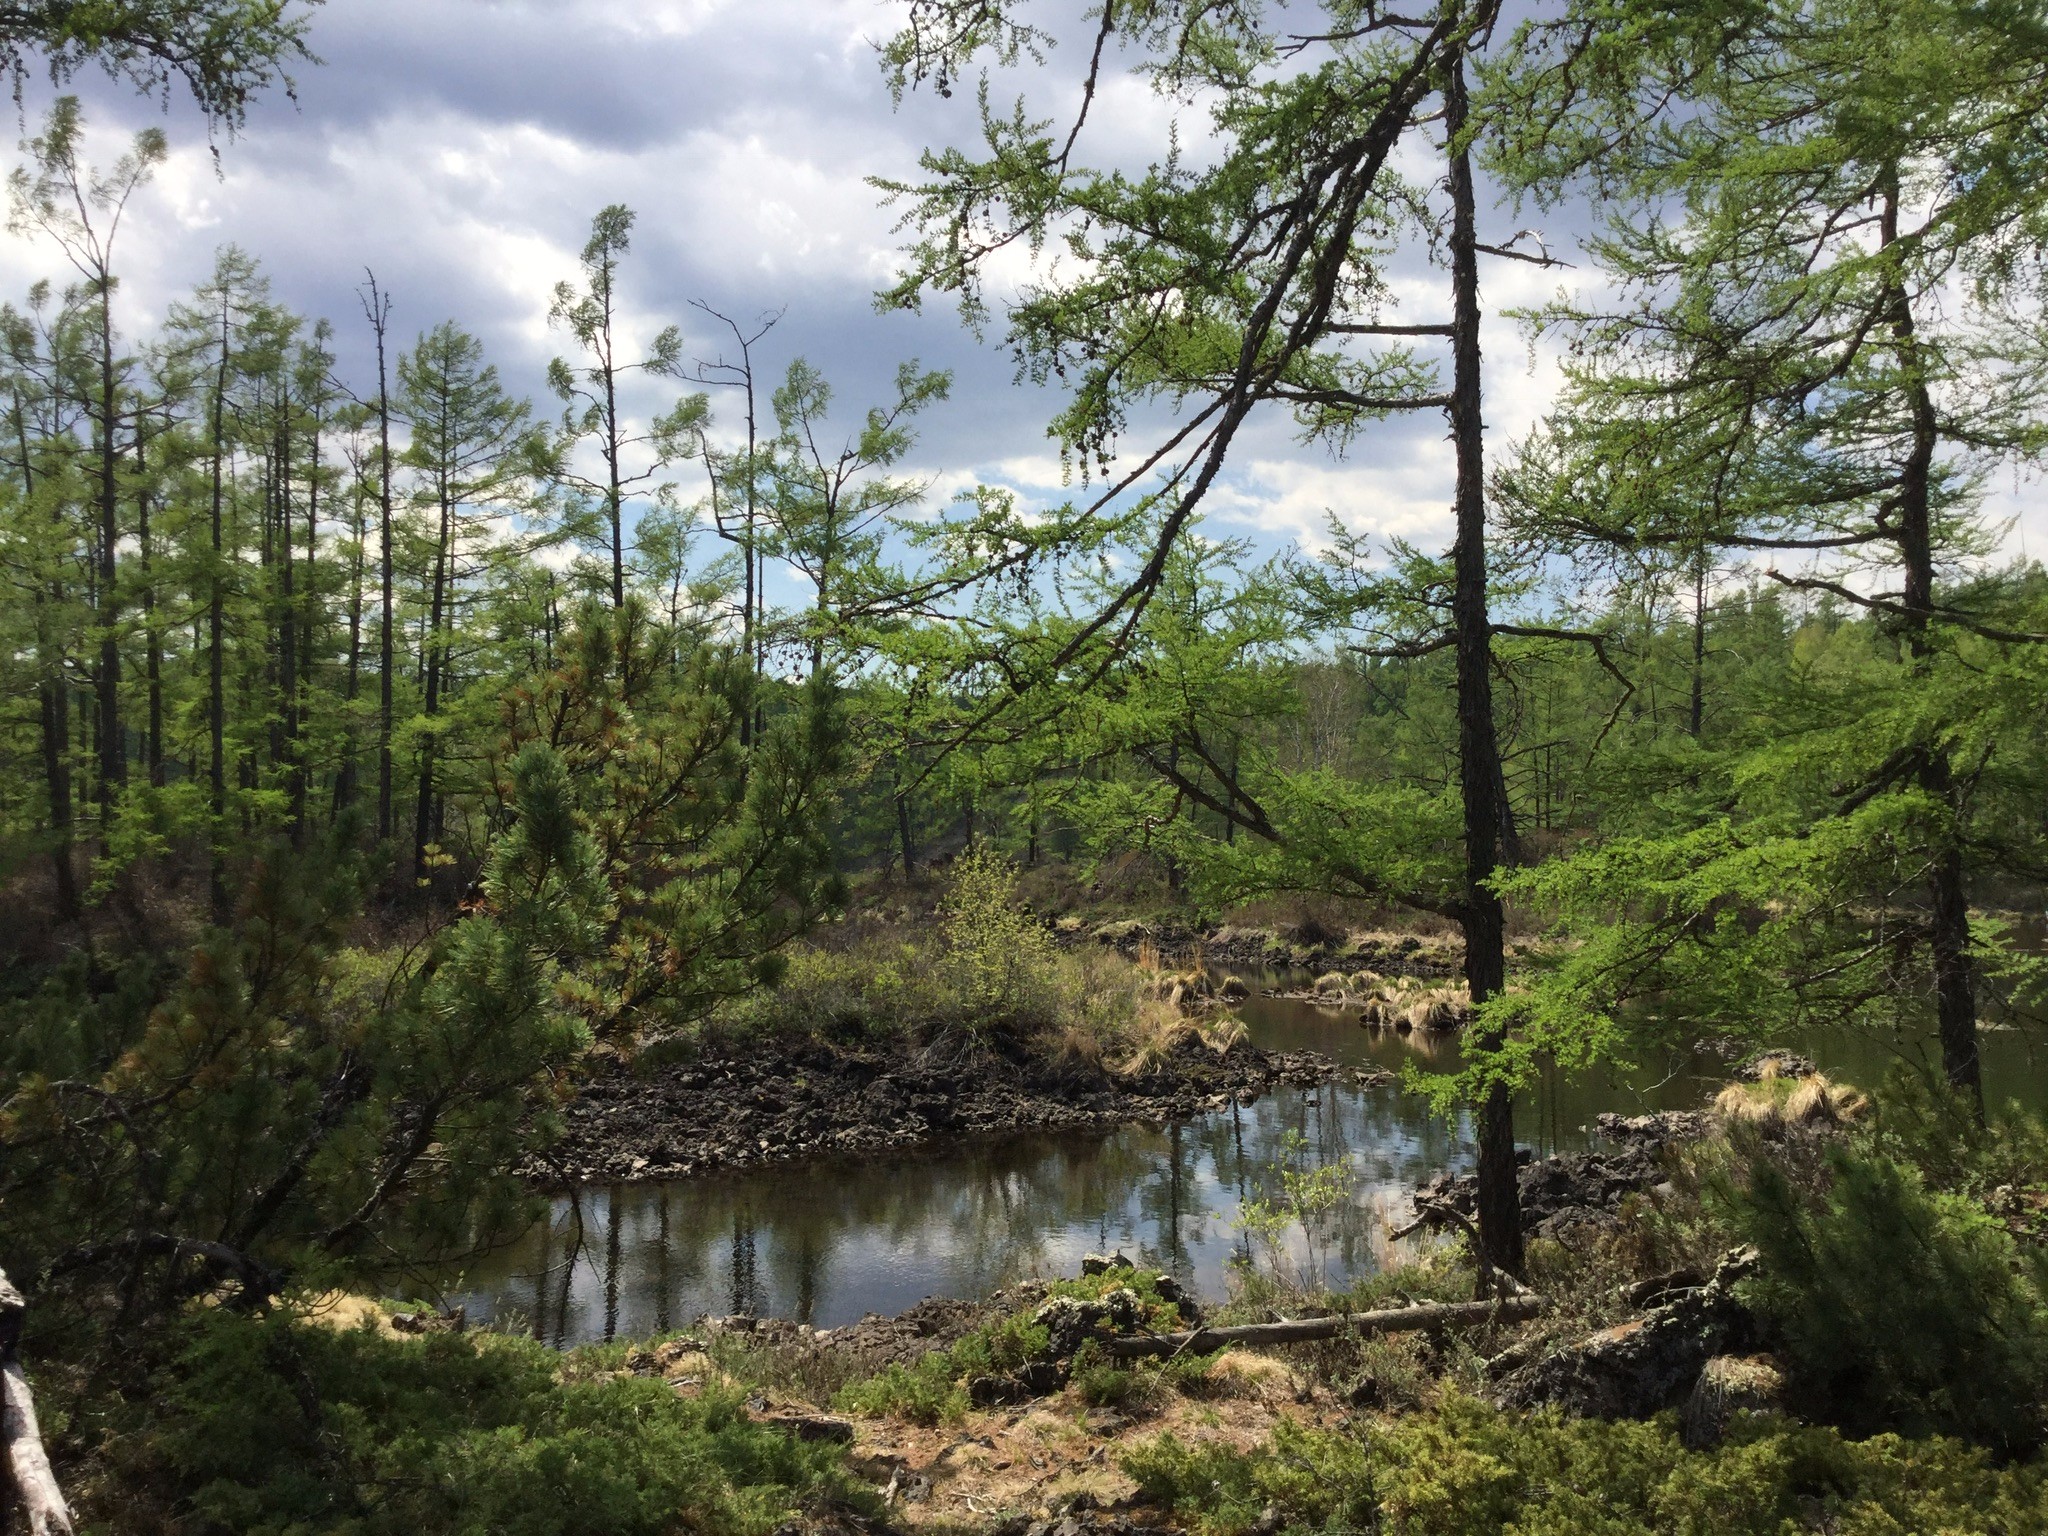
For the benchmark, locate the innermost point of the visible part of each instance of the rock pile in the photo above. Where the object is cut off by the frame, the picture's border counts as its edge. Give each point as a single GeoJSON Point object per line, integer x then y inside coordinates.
{"type": "Point", "coordinates": [738, 1108]}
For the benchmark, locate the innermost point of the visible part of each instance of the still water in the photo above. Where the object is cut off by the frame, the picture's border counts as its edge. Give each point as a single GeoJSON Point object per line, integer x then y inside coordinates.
{"type": "Point", "coordinates": [824, 1241]}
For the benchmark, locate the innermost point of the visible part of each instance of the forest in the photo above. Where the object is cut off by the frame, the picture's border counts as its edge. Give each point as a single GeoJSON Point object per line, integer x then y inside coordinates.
{"type": "Point", "coordinates": [535, 907]}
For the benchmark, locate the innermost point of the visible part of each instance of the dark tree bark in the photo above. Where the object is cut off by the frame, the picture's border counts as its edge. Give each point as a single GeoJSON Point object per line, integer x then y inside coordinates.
{"type": "Point", "coordinates": [152, 633]}
{"type": "Point", "coordinates": [1955, 998]}
{"type": "Point", "coordinates": [54, 707]}
{"type": "Point", "coordinates": [216, 626]}
{"type": "Point", "coordinates": [345, 781]}
{"type": "Point", "coordinates": [113, 760]}
{"type": "Point", "coordinates": [309, 606]}
{"type": "Point", "coordinates": [903, 833]}
{"type": "Point", "coordinates": [434, 661]}
{"type": "Point", "coordinates": [1479, 772]}
{"type": "Point", "coordinates": [377, 305]}
{"type": "Point", "coordinates": [288, 659]}
{"type": "Point", "coordinates": [1697, 718]}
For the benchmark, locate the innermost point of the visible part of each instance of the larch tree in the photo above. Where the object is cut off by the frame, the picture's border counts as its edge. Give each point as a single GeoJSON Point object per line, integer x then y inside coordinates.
{"type": "Point", "coordinates": [633, 455]}
{"type": "Point", "coordinates": [80, 209]}
{"type": "Point", "coordinates": [1246, 282]}
{"type": "Point", "coordinates": [1819, 216]}
{"type": "Point", "coordinates": [829, 506]}
{"type": "Point", "coordinates": [474, 450]}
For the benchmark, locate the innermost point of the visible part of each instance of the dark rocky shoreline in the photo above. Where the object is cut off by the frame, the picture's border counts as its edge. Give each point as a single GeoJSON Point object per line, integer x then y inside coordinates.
{"type": "Point", "coordinates": [1302, 947]}
{"type": "Point", "coordinates": [741, 1106]}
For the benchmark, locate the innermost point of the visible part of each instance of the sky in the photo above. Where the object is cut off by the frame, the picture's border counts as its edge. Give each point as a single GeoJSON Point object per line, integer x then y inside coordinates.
{"type": "Point", "coordinates": [459, 149]}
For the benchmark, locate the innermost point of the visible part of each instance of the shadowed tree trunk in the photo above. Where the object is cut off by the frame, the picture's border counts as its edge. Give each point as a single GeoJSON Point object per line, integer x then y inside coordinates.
{"type": "Point", "coordinates": [1479, 771]}
{"type": "Point", "coordinates": [1955, 1000]}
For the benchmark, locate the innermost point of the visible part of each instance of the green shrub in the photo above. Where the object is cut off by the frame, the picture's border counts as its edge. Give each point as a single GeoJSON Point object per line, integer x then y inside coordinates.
{"type": "Point", "coordinates": [988, 967]}
{"type": "Point", "coordinates": [999, 954]}
{"type": "Point", "coordinates": [933, 1388]}
{"type": "Point", "coordinates": [1901, 1308]}
{"type": "Point", "coordinates": [1466, 1469]}
{"type": "Point", "coordinates": [1921, 1122]}
{"type": "Point", "coordinates": [273, 1426]}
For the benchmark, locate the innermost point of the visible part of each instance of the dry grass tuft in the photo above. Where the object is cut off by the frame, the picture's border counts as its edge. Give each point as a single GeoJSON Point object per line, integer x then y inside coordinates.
{"type": "Point", "coordinates": [1777, 1103]}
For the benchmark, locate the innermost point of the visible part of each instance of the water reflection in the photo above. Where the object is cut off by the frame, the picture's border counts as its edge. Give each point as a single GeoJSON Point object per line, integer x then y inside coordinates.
{"type": "Point", "coordinates": [827, 1240]}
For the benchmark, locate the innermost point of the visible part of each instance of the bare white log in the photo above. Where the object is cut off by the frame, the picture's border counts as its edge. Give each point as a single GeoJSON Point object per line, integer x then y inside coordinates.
{"type": "Point", "coordinates": [22, 1438]}
{"type": "Point", "coordinates": [1450, 1314]}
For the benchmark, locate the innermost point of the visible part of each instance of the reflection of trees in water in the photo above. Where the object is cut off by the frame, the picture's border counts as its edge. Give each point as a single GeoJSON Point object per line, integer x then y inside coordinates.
{"type": "Point", "coordinates": [1168, 1198]}
{"type": "Point", "coordinates": [663, 1281]}
{"type": "Point", "coordinates": [821, 1240]}
{"type": "Point", "coordinates": [743, 1294]}
{"type": "Point", "coordinates": [611, 1263]}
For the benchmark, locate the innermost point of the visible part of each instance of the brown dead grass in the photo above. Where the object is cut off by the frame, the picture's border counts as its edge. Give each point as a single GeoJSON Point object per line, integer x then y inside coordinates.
{"type": "Point", "coordinates": [344, 1311]}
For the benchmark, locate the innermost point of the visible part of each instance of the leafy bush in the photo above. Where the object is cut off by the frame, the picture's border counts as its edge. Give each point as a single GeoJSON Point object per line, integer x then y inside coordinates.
{"type": "Point", "coordinates": [274, 1426]}
{"type": "Point", "coordinates": [1467, 1469]}
{"type": "Point", "coordinates": [1901, 1307]}
{"type": "Point", "coordinates": [999, 955]}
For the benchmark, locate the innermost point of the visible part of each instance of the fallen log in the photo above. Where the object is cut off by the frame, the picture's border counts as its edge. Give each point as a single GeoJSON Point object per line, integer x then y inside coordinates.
{"type": "Point", "coordinates": [22, 1438]}
{"type": "Point", "coordinates": [1449, 1314]}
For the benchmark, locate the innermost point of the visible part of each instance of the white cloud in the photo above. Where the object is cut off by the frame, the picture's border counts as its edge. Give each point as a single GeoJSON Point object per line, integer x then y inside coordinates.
{"type": "Point", "coordinates": [460, 148]}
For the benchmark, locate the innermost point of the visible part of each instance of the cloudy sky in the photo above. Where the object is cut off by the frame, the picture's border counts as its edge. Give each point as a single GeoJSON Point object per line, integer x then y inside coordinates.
{"type": "Point", "coordinates": [460, 147]}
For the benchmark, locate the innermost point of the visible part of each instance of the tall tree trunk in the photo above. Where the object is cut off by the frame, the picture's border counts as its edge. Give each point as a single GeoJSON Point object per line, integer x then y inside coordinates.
{"type": "Point", "coordinates": [1479, 773]}
{"type": "Point", "coordinates": [216, 624]}
{"type": "Point", "coordinates": [432, 654]}
{"type": "Point", "coordinates": [55, 709]}
{"type": "Point", "coordinates": [309, 605]}
{"type": "Point", "coordinates": [1697, 718]}
{"type": "Point", "coordinates": [113, 760]}
{"type": "Point", "coordinates": [56, 735]}
{"type": "Point", "coordinates": [288, 662]}
{"type": "Point", "coordinates": [614, 497]}
{"type": "Point", "coordinates": [345, 781]}
{"type": "Point", "coordinates": [903, 835]}
{"type": "Point", "coordinates": [153, 639]}
{"type": "Point", "coordinates": [1955, 998]}
{"type": "Point", "coordinates": [378, 307]}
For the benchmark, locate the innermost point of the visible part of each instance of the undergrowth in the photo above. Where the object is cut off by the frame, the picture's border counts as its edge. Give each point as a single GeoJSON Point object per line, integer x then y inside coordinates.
{"type": "Point", "coordinates": [933, 1389]}
{"type": "Point", "coordinates": [987, 968]}
{"type": "Point", "coordinates": [1467, 1469]}
{"type": "Point", "coordinates": [273, 1427]}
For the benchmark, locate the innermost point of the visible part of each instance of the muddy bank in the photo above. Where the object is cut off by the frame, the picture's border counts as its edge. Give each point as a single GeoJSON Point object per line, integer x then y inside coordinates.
{"type": "Point", "coordinates": [739, 1107]}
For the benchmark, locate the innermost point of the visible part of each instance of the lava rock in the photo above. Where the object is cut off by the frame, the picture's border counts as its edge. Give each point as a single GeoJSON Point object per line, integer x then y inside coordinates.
{"type": "Point", "coordinates": [1649, 1363]}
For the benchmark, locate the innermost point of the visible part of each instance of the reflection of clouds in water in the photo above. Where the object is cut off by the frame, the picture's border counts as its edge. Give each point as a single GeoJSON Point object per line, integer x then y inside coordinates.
{"type": "Point", "coordinates": [828, 1240]}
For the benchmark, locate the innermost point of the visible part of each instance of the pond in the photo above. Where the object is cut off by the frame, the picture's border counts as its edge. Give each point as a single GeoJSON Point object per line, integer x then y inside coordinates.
{"type": "Point", "coordinates": [825, 1241]}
